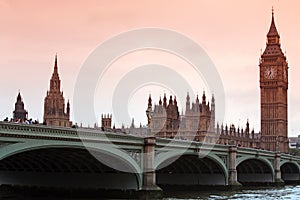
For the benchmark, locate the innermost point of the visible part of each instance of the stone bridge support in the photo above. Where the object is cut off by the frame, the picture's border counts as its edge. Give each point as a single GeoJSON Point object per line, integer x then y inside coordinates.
{"type": "Point", "coordinates": [232, 172]}
{"type": "Point", "coordinates": [277, 179]}
{"type": "Point", "coordinates": [149, 189]}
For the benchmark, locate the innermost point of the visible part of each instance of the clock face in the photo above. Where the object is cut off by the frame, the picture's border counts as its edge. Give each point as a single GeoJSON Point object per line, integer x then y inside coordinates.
{"type": "Point", "coordinates": [270, 72]}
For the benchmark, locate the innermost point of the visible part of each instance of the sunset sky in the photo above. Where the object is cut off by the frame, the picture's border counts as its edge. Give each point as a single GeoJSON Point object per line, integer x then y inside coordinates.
{"type": "Point", "coordinates": [231, 32]}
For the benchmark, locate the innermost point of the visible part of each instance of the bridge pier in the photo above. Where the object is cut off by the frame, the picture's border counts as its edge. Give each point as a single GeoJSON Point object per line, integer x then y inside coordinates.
{"type": "Point", "coordinates": [277, 179]}
{"type": "Point", "coordinates": [149, 189]}
{"type": "Point", "coordinates": [232, 172]}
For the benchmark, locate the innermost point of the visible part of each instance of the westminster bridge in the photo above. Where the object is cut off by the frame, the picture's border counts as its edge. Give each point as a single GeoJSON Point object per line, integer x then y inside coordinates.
{"type": "Point", "coordinates": [68, 157]}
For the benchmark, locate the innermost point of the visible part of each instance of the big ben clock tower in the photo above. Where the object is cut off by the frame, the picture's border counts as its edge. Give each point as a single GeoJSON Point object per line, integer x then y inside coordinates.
{"type": "Point", "coordinates": [273, 94]}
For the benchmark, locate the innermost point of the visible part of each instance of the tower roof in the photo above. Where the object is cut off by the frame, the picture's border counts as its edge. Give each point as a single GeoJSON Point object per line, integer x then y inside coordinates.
{"type": "Point", "coordinates": [19, 98]}
{"type": "Point", "coordinates": [55, 81]}
{"type": "Point", "coordinates": [273, 30]}
{"type": "Point", "coordinates": [55, 65]}
{"type": "Point", "coordinates": [273, 41]}
{"type": "Point", "coordinates": [149, 101]}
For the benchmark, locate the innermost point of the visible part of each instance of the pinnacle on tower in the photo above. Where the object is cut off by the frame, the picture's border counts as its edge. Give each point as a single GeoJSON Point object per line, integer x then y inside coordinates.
{"type": "Point", "coordinates": [187, 104]}
{"type": "Point", "coordinates": [273, 30]}
{"type": "Point", "coordinates": [197, 99]}
{"type": "Point", "coordinates": [19, 98]}
{"type": "Point", "coordinates": [187, 97]}
{"type": "Point", "coordinates": [55, 65]}
{"type": "Point", "coordinates": [149, 101]}
{"type": "Point", "coordinates": [55, 81]}
{"type": "Point", "coordinates": [165, 100]}
{"type": "Point", "coordinates": [203, 97]}
{"type": "Point", "coordinates": [68, 108]}
{"type": "Point", "coordinates": [170, 100]}
{"type": "Point", "coordinates": [175, 101]}
{"type": "Point", "coordinates": [132, 123]}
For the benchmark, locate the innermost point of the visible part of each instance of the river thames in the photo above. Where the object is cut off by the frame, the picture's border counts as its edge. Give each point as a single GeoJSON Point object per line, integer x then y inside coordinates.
{"type": "Point", "coordinates": [287, 192]}
{"type": "Point", "coordinates": [254, 193]}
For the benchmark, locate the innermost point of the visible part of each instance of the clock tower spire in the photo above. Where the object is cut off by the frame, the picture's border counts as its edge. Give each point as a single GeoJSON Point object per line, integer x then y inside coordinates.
{"type": "Point", "coordinates": [273, 93]}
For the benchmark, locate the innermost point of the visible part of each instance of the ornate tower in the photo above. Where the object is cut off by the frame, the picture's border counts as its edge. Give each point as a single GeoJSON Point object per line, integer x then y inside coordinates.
{"type": "Point", "coordinates": [54, 106]}
{"type": "Point", "coordinates": [273, 93]}
{"type": "Point", "coordinates": [19, 113]}
{"type": "Point", "coordinates": [165, 117]}
{"type": "Point", "coordinates": [106, 122]}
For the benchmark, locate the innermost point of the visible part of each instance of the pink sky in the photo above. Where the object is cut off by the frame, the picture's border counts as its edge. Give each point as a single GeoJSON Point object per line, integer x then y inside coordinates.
{"type": "Point", "coordinates": [231, 32]}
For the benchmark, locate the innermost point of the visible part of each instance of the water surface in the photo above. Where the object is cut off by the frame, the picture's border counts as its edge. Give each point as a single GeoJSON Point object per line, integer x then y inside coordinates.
{"type": "Point", "coordinates": [287, 192]}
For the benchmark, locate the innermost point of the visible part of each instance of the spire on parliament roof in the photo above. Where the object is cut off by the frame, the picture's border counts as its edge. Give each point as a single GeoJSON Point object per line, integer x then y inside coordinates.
{"type": "Point", "coordinates": [55, 65]}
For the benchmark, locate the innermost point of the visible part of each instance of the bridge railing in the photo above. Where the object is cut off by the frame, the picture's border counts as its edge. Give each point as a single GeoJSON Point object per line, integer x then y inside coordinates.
{"type": "Point", "coordinates": [8, 129]}
{"type": "Point", "coordinates": [252, 151]}
{"type": "Point", "coordinates": [290, 157]}
{"type": "Point", "coordinates": [261, 152]}
{"type": "Point", "coordinates": [183, 144]}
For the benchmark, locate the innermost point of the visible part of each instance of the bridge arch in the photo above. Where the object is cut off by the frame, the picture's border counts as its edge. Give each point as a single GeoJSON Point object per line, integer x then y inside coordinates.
{"type": "Point", "coordinates": [290, 171]}
{"type": "Point", "coordinates": [104, 149]}
{"type": "Point", "coordinates": [191, 168]}
{"type": "Point", "coordinates": [254, 170]}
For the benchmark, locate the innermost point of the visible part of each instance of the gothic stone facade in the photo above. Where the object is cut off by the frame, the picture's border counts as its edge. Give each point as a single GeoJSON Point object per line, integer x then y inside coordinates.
{"type": "Point", "coordinates": [198, 122]}
{"type": "Point", "coordinates": [54, 106]}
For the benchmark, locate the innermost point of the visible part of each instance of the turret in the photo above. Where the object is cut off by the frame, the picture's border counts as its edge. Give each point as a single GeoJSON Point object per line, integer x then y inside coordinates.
{"type": "Point", "coordinates": [203, 98]}
{"type": "Point", "coordinates": [106, 122]}
{"type": "Point", "coordinates": [150, 102]}
{"type": "Point", "coordinates": [175, 101]}
{"type": "Point", "coordinates": [165, 101]}
{"type": "Point", "coordinates": [213, 114]}
{"type": "Point", "coordinates": [247, 130]}
{"type": "Point", "coordinates": [197, 104]}
{"type": "Point", "coordinates": [160, 102]}
{"type": "Point", "coordinates": [68, 109]}
{"type": "Point", "coordinates": [19, 113]}
{"type": "Point", "coordinates": [203, 105]}
{"type": "Point", "coordinates": [188, 103]}
{"type": "Point", "coordinates": [170, 101]}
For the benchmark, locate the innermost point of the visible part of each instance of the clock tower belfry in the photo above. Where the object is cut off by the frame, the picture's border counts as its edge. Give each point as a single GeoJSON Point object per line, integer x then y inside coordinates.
{"type": "Point", "coordinates": [273, 94]}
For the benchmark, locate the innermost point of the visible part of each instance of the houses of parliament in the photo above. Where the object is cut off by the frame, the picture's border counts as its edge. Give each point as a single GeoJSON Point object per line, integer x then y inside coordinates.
{"type": "Point", "coordinates": [56, 113]}
{"type": "Point", "coordinates": [198, 122]}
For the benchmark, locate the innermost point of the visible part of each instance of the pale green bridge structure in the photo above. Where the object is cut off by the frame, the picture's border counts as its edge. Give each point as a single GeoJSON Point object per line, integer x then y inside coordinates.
{"type": "Point", "coordinates": [68, 157]}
